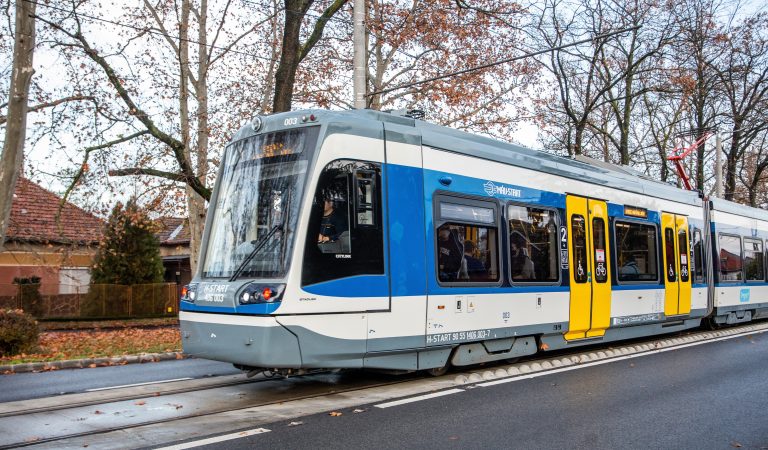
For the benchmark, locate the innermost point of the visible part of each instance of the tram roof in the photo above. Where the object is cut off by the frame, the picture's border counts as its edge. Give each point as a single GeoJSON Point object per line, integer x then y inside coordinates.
{"type": "Point", "coordinates": [719, 204]}
{"type": "Point", "coordinates": [586, 169]}
{"type": "Point", "coordinates": [364, 122]}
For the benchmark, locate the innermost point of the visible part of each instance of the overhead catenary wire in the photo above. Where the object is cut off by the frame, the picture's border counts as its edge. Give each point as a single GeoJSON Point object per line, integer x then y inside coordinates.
{"type": "Point", "coordinates": [503, 61]}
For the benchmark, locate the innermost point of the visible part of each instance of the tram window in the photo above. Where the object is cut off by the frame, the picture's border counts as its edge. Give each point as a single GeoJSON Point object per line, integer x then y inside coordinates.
{"type": "Point", "coordinates": [730, 258]}
{"type": "Point", "coordinates": [365, 187]}
{"type": "Point", "coordinates": [698, 257]}
{"type": "Point", "coordinates": [753, 260]}
{"type": "Point", "coordinates": [533, 244]}
{"type": "Point", "coordinates": [669, 254]}
{"type": "Point", "coordinates": [682, 246]}
{"type": "Point", "coordinates": [466, 241]}
{"type": "Point", "coordinates": [636, 256]}
{"type": "Point", "coordinates": [344, 235]}
{"type": "Point", "coordinates": [579, 238]}
{"type": "Point", "coordinates": [598, 236]}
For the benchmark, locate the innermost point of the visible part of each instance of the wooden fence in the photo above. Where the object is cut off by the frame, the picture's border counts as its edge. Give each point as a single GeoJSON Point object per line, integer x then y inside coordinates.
{"type": "Point", "coordinates": [93, 301]}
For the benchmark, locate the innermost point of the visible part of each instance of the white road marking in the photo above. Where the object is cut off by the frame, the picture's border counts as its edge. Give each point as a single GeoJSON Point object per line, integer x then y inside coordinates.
{"type": "Point", "coordinates": [137, 384]}
{"type": "Point", "coordinates": [419, 398]}
{"type": "Point", "coordinates": [614, 359]}
{"type": "Point", "coordinates": [217, 439]}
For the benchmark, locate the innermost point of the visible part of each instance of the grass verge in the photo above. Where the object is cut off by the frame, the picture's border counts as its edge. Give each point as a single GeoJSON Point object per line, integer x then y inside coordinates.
{"type": "Point", "coordinates": [58, 345]}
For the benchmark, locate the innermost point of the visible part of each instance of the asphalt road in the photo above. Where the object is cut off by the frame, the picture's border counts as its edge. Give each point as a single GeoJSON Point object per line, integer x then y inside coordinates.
{"type": "Point", "coordinates": [25, 386]}
{"type": "Point", "coordinates": [708, 396]}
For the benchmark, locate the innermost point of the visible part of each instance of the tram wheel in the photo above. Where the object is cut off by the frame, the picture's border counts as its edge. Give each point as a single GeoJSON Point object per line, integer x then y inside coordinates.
{"type": "Point", "coordinates": [439, 371]}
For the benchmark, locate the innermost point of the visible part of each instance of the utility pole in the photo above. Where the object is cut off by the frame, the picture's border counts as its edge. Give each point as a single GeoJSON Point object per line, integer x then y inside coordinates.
{"type": "Point", "coordinates": [358, 38]}
{"type": "Point", "coordinates": [16, 125]}
{"type": "Point", "coordinates": [718, 166]}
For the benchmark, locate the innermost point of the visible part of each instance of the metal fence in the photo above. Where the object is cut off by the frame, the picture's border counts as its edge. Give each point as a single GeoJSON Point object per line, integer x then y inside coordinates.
{"type": "Point", "coordinates": [92, 301]}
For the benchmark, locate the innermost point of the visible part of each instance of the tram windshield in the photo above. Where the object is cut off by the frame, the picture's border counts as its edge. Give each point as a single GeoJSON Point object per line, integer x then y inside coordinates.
{"type": "Point", "coordinates": [258, 198]}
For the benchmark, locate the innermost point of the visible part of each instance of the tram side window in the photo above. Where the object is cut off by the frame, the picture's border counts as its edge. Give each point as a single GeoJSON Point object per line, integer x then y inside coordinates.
{"type": "Point", "coordinates": [344, 235]}
{"type": "Point", "coordinates": [753, 260]}
{"type": "Point", "coordinates": [730, 258]}
{"type": "Point", "coordinates": [467, 243]}
{"type": "Point", "coordinates": [533, 244]}
{"type": "Point", "coordinates": [636, 249]}
{"type": "Point", "coordinates": [698, 257]}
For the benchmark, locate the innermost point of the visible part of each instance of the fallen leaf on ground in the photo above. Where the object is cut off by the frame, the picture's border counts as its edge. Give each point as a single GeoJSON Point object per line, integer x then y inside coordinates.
{"type": "Point", "coordinates": [334, 413]}
{"type": "Point", "coordinates": [92, 366]}
{"type": "Point", "coordinates": [294, 424]}
{"type": "Point", "coordinates": [735, 444]}
{"type": "Point", "coordinates": [98, 412]}
{"type": "Point", "coordinates": [140, 403]}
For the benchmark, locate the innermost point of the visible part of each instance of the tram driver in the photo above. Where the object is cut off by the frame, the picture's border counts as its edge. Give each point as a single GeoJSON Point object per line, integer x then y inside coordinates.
{"type": "Point", "coordinates": [333, 223]}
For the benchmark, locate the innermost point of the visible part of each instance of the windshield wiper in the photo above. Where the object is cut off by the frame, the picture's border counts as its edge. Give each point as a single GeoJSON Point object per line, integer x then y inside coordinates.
{"type": "Point", "coordinates": [261, 242]}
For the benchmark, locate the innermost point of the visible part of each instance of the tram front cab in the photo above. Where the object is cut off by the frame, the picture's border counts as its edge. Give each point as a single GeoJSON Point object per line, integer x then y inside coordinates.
{"type": "Point", "coordinates": [292, 217]}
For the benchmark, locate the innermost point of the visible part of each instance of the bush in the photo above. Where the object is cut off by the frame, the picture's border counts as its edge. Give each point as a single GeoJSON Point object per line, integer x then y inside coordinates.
{"type": "Point", "coordinates": [129, 252]}
{"type": "Point", "coordinates": [29, 293]}
{"type": "Point", "coordinates": [18, 332]}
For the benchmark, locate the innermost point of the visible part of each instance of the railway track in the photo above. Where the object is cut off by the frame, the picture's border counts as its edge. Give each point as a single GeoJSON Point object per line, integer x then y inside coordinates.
{"type": "Point", "coordinates": [160, 405]}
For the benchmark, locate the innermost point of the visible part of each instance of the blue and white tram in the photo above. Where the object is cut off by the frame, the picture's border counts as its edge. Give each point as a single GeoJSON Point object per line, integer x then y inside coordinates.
{"type": "Point", "coordinates": [366, 239]}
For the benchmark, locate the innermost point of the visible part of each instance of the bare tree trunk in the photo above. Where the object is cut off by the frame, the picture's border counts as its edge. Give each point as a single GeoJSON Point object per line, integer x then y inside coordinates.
{"type": "Point", "coordinates": [192, 196]}
{"type": "Point", "coordinates": [731, 162]}
{"type": "Point", "coordinates": [289, 60]}
{"type": "Point", "coordinates": [195, 202]}
{"type": "Point", "coordinates": [16, 127]}
{"type": "Point", "coordinates": [293, 50]}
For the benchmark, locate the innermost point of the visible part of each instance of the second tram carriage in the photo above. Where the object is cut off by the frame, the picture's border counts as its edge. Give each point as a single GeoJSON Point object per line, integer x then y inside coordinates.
{"type": "Point", "coordinates": [367, 239]}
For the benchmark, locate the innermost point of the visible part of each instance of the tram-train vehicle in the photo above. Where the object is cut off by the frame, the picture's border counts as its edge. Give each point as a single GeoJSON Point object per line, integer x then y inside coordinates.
{"type": "Point", "coordinates": [365, 239]}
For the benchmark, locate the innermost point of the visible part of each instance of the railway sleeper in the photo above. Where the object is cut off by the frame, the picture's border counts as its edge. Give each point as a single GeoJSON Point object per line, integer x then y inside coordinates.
{"type": "Point", "coordinates": [493, 350]}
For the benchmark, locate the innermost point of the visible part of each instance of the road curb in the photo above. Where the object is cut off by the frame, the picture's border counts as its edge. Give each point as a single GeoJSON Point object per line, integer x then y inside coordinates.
{"type": "Point", "coordinates": [89, 363]}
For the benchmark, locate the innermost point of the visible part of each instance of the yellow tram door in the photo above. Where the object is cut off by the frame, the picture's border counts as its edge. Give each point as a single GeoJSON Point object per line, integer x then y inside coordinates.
{"type": "Point", "coordinates": [590, 302]}
{"type": "Point", "coordinates": [677, 258]}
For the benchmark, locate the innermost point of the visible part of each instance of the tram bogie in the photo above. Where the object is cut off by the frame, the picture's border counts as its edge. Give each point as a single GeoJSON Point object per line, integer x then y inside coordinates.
{"type": "Point", "coordinates": [362, 239]}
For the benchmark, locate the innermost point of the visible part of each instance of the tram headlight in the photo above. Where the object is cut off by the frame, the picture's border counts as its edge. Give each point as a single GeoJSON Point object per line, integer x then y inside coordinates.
{"type": "Point", "coordinates": [261, 293]}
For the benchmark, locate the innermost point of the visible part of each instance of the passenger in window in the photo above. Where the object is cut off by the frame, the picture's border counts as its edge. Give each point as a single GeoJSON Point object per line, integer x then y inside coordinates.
{"type": "Point", "coordinates": [475, 269]}
{"type": "Point", "coordinates": [333, 223]}
{"type": "Point", "coordinates": [629, 270]}
{"type": "Point", "coordinates": [449, 254]}
{"type": "Point", "coordinates": [522, 266]}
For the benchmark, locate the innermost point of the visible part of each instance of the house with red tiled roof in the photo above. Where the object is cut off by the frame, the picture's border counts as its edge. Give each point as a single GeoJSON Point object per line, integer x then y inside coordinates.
{"type": "Point", "coordinates": [36, 245]}
{"type": "Point", "coordinates": [174, 248]}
